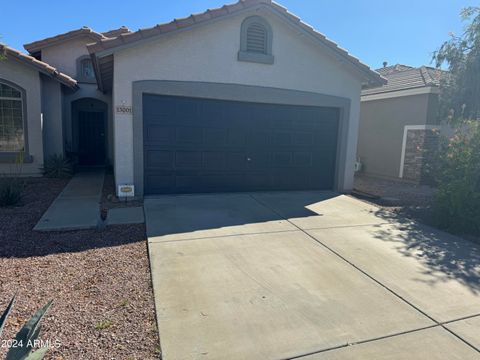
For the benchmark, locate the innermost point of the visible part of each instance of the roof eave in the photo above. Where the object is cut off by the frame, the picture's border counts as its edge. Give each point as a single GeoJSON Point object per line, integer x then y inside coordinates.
{"type": "Point", "coordinates": [374, 81]}
{"type": "Point", "coordinates": [417, 90]}
{"type": "Point", "coordinates": [109, 46]}
{"type": "Point", "coordinates": [41, 67]}
{"type": "Point", "coordinates": [97, 72]}
{"type": "Point", "coordinates": [38, 45]}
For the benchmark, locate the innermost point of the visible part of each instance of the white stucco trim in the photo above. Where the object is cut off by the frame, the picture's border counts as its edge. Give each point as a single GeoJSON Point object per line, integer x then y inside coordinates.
{"type": "Point", "coordinates": [400, 93]}
{"type": "Point", "coordinates": [404, 142]}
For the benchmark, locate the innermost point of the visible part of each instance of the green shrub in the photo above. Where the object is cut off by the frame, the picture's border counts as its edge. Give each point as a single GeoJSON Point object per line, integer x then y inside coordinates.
{"type": "Point", "coordinates": [57, 166]}
{"type": "Point", "coordinates": [457, 202]}
{"type": "Point", "coordinates": [11, 189]}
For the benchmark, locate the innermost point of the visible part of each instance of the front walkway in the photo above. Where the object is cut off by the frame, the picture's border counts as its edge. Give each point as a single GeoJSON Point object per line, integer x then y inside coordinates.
{"type": "Point", "coordinates": [307, 275]}
{"type": "Point", "coordinates": [77, 206]}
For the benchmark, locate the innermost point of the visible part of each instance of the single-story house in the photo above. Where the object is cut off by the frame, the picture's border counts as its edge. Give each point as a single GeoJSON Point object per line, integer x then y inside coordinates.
{"type": "Point", "coordinates": [399, 123]}
{"type": "Point", "coordinates": [240, 98]}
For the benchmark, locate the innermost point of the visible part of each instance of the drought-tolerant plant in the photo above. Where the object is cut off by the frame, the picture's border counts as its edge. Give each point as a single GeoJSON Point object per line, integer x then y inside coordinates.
{"type": "Point", "coordinates": [457, 202]}
{"type": "Point", "coordinates": [103, 324]}
{"type": "Point", "coordinates": [12, 186]}
{"type": "Point", "coordinates": [26, 337]}
{"type": "Point", "coordinates": [11, 189]}
{"type": "Point", "coordinates": [57, 166]}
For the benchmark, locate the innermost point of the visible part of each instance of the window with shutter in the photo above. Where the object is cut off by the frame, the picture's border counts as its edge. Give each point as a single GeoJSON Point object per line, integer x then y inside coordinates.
{"type": "Point", "coordinates": [256, 41]}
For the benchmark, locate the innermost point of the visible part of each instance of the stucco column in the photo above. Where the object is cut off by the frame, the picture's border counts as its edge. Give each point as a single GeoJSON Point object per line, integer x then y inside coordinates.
{"type": "Point", "coordinates": [351, 151]}
{"type": "Point", "coordinates": [123, 148]}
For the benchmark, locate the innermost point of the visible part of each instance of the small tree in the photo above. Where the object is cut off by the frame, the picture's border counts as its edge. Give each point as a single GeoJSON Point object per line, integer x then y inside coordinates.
{"type": "Point", "coordinates": [461, 89]}
{"type": "Point", "coordinates": [457, 202]}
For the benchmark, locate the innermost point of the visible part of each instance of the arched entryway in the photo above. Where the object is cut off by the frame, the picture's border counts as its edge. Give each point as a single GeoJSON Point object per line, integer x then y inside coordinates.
{"type": "Point", "coordinates": [89, 126]}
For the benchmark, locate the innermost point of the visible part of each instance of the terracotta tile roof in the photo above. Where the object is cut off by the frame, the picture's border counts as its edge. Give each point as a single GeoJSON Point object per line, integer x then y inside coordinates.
{"type": "Point", "coordinates": [42, 67]}
{"type": "Point", "coordinates": [403, 77]}
{"type": "Point", "coordinates": [194, 19]}
{"type": "Point", "coordinates": [116, 32]}
{"type": "Point", "coordinates": [84, 31]}
{"type": "Point", "coordinates": [386, 70]}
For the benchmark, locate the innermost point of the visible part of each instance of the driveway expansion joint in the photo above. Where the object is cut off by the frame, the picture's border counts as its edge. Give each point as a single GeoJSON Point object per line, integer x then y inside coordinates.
{"type": "Point", "coordinates": [333, 348]}
{"type": "Point", "coordinates": [437, 323]}
{"type": "Point", "coordinates": [153, 241]}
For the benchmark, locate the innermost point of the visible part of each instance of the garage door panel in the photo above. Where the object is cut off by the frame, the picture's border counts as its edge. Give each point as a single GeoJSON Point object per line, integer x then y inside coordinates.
{"type": "Point", "coordinates": [302, 159]}
{"type": "Point", "coordinates": [218, 182]}
{"type": "Point", "coordinates": [198, 145]}
{"type": "Point", "coordinates": [282, 138]}
{"type": "Point", "coordinates": [215, 136]}
{"type": "Point", "coordinates": [215, 160]}
{"type": "Point", "coordinates": [257, 160]}
{"type": "Point", "coordinates": [237, 137]}
{"type": "Point", "coordinates": [160, 159]}
{"type": "Point", "coordinates": [186, 109]}
{"type": "Point", "coordinates": [157, 107]}
{"type": "Point", "coordinates": [188, 160]}
{"type": "Point", "coordinates": [258, 181]}
{"type": "Point", "coordinates": [282, 159]}
{"type": "Point", "coordinates": [297, 181]}
{"type": "Point", "coordinates": [189, 135]}
{"type": "Point", "coordinates": [160, 183]}
{"type": "Point", "coordinates": [258, 138]}
{"type": "Point", "coordinates": [237, 161]}
{"type": "Point", "coordinates": [303, 138]}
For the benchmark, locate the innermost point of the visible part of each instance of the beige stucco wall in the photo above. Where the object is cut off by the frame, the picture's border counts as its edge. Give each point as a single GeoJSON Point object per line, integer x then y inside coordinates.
{"type": "Point", "coordinates": [209, 54]}
{"type": "Point", "coordinates": [52, 116]}
{"type": "Point", "coordinates": [28, 79]}
{"type": "Point", "coordinates": [382, 124]}
{"type": "Point", "coordinates": [64, 56]}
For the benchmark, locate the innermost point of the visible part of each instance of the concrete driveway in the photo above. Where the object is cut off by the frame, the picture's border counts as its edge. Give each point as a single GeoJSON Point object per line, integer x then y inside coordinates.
{"type": "Point", "coordinates": [307, 275]}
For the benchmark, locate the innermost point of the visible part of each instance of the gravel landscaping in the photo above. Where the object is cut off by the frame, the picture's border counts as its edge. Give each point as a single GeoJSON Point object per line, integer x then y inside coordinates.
{"type": "Point", "coordinates": [395, 192]}
{"type": "Point", "coordinates": [396, 198]}
{"type": "Point", "coordinates": [109, 199]}
{"type": "Point", "coordinates": [99, 281]}
{"type": "Point", "coordinates": [399, 199]}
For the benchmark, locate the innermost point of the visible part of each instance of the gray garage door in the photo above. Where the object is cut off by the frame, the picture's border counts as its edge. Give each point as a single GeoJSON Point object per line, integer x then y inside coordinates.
{"type": "Point", "coordinates": [196, 145]}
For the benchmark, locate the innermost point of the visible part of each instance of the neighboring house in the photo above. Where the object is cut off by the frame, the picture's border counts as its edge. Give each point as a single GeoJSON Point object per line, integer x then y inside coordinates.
{"type": "Point", "coordinates": [398, 121]}
{"type": "Point", "coordinates": [244, 97]}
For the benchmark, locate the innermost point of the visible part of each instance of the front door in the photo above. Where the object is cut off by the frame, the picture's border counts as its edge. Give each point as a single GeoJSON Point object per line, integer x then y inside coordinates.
{"type": "Point", "coordinates": [91, 138]}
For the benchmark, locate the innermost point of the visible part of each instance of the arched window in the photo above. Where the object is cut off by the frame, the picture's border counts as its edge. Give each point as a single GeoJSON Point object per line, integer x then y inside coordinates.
{"type": "Point", "coordinates": [85, 71]}
{"type": "Point", "coordinates": [11, 118]}
{"type": "Point", "coordinates": [256, 41]}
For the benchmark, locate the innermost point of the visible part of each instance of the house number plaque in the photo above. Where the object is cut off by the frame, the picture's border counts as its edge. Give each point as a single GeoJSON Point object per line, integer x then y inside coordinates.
{"type": "Point", "coordinates": [122, 109]}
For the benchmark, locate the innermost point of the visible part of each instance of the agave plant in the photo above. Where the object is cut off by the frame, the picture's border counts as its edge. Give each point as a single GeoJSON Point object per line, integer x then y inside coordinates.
{"type": "Point", "coordinates": [57, 166]}
{"type": "Point", "coordinates": [27, 335]}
